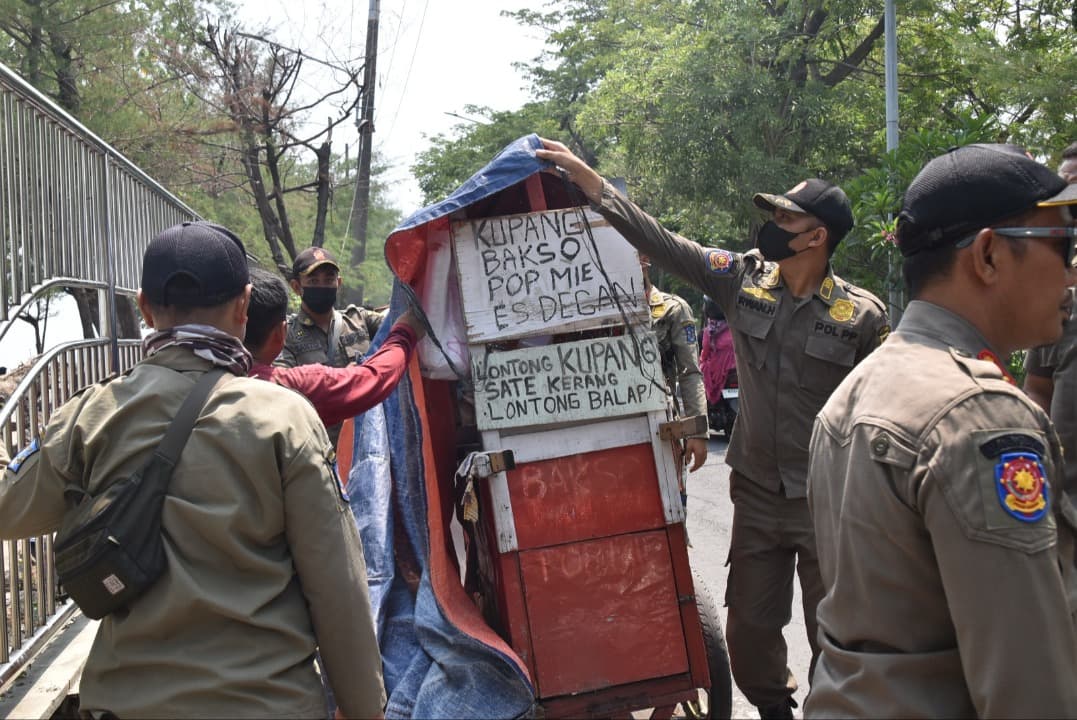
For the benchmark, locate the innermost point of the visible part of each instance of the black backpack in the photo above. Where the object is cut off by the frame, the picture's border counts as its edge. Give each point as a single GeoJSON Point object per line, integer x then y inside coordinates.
{"type": "Point", "coordinates": [109, 549]}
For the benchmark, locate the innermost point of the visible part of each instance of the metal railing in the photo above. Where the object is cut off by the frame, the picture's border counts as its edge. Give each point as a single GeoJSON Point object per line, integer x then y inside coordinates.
{"type": "Point", "coordinates": [74, 213]}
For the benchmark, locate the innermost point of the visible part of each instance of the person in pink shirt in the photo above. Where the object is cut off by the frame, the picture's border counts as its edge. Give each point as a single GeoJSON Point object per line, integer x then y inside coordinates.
{"type": "Point", "coordinates": [336, 393]}
{"type": "Point", "coordinates": [716, 357]}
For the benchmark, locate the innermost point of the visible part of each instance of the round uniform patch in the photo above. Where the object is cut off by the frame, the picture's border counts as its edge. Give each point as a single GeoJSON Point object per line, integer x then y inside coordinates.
{"type": "Point", "coordinates": [1022, 486]}
{"type": "Point", "coordinates": [720, 261]}
{"type": "Point", "coordinates": [842, 310]}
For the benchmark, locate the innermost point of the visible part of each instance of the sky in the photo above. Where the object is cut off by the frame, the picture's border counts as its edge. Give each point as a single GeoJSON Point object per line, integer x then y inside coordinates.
{"type": "Point", "coordinates": [434, 58]}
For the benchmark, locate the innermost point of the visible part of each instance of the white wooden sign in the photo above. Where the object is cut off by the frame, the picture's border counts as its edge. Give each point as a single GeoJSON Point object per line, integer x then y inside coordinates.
{"type": "Point", "coordinates": [538, 274]}
{"type": "Point", "coordinates": [601, 378]}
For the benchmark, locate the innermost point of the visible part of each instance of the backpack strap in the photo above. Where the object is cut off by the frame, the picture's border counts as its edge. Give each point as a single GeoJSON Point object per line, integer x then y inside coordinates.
{"type": "Point", "coordinates": [168, 451]}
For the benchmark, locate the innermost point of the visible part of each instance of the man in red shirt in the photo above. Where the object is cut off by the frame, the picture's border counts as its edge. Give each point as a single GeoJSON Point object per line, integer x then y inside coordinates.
{"type": "Point", "coordinates": [336, 393]}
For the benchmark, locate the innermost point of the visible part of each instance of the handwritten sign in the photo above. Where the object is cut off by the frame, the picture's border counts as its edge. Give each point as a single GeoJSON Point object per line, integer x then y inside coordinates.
{"type": "Point", "coordinates": [581, 380]}
{"type": "Point", "coordinates": [540, 273]}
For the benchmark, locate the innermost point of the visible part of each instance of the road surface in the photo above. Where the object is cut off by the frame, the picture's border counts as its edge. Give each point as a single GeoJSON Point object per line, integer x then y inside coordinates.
{"type": "Point", "coordinates": [710, 521]}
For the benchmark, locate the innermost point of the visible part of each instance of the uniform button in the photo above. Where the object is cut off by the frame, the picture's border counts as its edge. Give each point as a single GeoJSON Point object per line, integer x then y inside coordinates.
{"type": "Point", "coordinates": [880, 445]}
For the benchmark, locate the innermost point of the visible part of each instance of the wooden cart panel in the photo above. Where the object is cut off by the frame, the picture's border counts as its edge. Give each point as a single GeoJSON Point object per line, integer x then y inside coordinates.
{"type": "Point", "coordinates": [603, 612]}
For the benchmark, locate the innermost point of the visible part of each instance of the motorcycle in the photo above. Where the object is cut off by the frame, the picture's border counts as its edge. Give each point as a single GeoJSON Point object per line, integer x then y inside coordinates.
{"type": "Point", "coordinates": [722, 415]}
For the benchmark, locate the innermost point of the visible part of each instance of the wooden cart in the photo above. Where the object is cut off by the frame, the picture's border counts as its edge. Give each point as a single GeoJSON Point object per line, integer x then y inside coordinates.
{"type": "Point", "coordinates": [578, 553]}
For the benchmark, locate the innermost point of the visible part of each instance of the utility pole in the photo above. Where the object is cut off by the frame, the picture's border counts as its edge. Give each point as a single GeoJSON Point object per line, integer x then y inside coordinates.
{"type": "Point", "coordinates": [365, 124]}
{"type": "Point", "coordinates": [890, 62]}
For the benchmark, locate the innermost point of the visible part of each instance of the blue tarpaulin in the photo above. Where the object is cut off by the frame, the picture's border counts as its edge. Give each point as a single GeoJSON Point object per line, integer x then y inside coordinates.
{"type": "Point", "coordinates": [440, 659]}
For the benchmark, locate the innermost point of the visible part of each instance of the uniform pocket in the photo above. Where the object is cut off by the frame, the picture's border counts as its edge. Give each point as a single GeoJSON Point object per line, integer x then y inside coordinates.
{"type": "Point", "coordinates": [750, 337]}
{"type": "Point", "coordinates": [826, 363]}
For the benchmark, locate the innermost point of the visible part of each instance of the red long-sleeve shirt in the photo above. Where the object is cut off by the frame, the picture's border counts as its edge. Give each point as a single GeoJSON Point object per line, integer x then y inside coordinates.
{"type": "Point", "coordinates": [340, 393]}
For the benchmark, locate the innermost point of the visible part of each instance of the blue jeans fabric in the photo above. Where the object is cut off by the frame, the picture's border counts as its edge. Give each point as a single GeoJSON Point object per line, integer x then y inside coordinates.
{"type": "Point", "coordinates": [432, 668]}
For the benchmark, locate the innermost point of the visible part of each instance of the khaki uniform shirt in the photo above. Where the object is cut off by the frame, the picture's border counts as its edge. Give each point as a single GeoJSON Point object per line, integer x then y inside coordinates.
{"type": "Point", "coordinates": [308, 344]}
{"type": "Point", "coordinates": [791, 352]}
{"type": "Point", "coordinates": [673, 324]}
{"type": "Point", "coordinates": [264, 559]}
{"type": "Point", "coordinates": [1059, 362]}
{"type": "Point", "coordinates": [949, 562]}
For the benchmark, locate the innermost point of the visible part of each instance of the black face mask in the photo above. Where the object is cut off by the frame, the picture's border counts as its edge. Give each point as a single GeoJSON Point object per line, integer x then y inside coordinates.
{"type": "Point", "coordinates": [320, 299]}
{"type": "Point", "coordinates": [773, 241]}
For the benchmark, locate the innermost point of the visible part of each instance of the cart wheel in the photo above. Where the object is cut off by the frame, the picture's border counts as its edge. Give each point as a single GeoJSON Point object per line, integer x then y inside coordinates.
{"type": "Point", "coordinates": [718, 702]}
{"type": "Point", "coordinates": [727, 426]}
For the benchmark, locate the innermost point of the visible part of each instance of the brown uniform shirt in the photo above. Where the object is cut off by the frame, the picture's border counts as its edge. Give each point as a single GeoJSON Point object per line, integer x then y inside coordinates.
{"type": "Point", "coordinates": [675, 328]}
{"type": "Point", "coordinates": [1059, 362]}
{"type": "Point", "coordinates": [949, 564]}
{"type": "Point", "coordinates": [264, 559]}
{"type": "Point", "coordinates": [308, 344]}
{"type": "Point", "coordinates": [791, 352]}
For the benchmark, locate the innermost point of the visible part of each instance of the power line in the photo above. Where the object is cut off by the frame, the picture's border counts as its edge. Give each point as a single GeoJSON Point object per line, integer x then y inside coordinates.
{"type": "Point", "coordinates": [407, 77]}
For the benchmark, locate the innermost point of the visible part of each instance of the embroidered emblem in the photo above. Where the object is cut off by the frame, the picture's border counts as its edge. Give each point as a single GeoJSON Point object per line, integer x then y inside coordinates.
{"type": "Point", "coordinates": [842, 310]}
{"type": "Point", "coordinates": [319, 254]}
{"type": "Point", "coordinates": [826, 289]}
{"type": "Point", "coordinates": [770, 280]}
{"type": "Point", "coordinates": [759, 293]}
{"type": "Point", "coordinates": [720, 261]}
{"type": "Point", "coordinates": [1022, 486]}
{"type": "Point", "coordinates": [24, 455]}
{"type": "Point", "coordinates": [884, 332]}
{"type": "Point", "coordinates": [690, 334]}
{"type": "Point", "coordinates": [986, 354]}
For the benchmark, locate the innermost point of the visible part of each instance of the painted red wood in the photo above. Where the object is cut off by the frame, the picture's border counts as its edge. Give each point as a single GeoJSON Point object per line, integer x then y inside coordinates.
{"type": "Point", "coordinates": [693, 630]}
{"type": "Point", "coordinates": [536, 197]}
{"type": "Point", "coordinates": [621, 700]}
{"type": "Point", "coordinates": [584, 496]}
{"type": "Point", "coordinates": [603, 612]}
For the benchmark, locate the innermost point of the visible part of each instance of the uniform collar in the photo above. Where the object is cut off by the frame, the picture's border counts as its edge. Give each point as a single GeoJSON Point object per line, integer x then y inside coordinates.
{"type": "Point", "coordinates": [948, 328]}
{"type": "Point", "coordinates": [303, 317]}
{"type": "Point", "coordinates": [830, 290]}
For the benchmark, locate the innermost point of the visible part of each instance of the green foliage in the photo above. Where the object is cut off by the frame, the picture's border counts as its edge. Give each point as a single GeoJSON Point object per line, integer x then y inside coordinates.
{"type": "Point", "coordinates": [868, 255]}
{"type": "Point", "coordinates": [698, 104]}
{"type": "Point", "coordinates": [449, 161]}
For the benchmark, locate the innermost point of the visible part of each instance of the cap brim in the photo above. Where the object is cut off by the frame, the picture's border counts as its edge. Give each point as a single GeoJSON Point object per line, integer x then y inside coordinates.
{"type": "Point", "coordinates": [1068, 196]}
{"type": "Point", "coordinates": [766, 201]}
{"type": "Point", "coordinates": [318, 264]}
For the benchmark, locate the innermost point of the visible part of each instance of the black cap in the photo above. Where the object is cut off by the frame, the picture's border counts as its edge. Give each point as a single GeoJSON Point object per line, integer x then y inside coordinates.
{"type": "Point", "coordinates": [211, 259]}
{"type": "Point", "coordinates": [970, 188]}
{"type": "Point", "coordinates": [311, 259]}
{"type": "Point", "coordinates": [814, 197]}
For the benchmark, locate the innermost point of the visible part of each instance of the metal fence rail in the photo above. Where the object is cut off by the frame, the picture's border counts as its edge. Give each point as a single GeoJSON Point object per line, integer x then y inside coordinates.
{"type": "Point", "coordinates": [73, 213]}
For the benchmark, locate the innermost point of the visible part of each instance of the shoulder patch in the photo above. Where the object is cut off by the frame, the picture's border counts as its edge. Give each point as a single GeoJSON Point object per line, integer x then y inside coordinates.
{"type": "Point", "coordinates": [690, 333]}
{"type": "Point", "coordinates": [720, 262]}
{"type": "Point", "coordinates": [996, 446]}
{"type": "Point", "coordinates": [1021, 482]}
{"type": "Point", "coordinates": [25, 454]}
{"type": "Point", "coordinates": [884, 332]}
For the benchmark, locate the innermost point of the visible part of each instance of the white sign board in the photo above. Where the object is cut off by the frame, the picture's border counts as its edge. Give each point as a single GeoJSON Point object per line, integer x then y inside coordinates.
{"type": "Point", "coordinates": [592, 379]}
{"type": "Point", "coordinates": [539, 274]}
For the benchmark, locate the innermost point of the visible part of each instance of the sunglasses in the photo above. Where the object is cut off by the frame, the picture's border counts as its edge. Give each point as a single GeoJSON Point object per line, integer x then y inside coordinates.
{"type": "Point", "coordinates": [1044, 233]}
{"type": "Point", "coordinates": [1067, 250]}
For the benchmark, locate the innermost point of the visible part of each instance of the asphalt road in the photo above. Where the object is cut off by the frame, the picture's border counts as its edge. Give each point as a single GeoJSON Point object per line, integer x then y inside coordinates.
{"type": "Point", "coordinates": [710, 521]}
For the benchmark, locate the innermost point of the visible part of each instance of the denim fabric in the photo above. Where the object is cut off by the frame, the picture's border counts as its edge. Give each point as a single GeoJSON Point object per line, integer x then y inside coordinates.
{"type": "Point", "coordinates": [432, 669]}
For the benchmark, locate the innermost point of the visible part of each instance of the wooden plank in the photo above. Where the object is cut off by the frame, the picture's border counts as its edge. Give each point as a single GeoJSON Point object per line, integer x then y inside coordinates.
{"type": "Point", "coordinates": [539, 274]}
{"type": "Point", "coordinates": [668, 471]}
{"type": "Point", "coordinates": [603, 612]}
{"type": "Point", "coordinates": [608, 702]}
{"type": "Point", "coordinates": [590, 379]}
{"type": "Point", "coordinates": [585, 496]}
{"type": "Point", "coordinates": [547, 444]}
{"type": "Point", "coordinates": [498, 486]}
{"type": "Point", "coordinates": [693, 629]}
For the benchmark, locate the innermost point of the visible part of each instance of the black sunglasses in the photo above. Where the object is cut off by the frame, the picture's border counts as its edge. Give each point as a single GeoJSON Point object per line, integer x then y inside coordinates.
{"type": "Point", "coordinates": [1035, 233]}
{"type": "Point", "coordinates": [1044, 233]}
